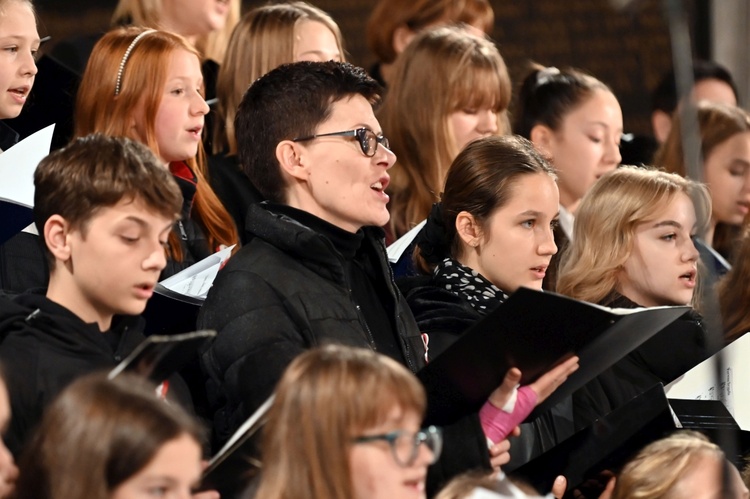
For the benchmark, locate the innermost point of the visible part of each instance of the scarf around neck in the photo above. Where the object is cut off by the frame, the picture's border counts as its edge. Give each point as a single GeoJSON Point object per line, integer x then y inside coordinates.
{"type": "Point", "coordinates": [468, 284]}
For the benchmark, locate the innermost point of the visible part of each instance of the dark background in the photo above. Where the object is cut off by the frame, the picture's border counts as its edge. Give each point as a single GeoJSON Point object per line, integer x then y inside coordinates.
{"type": "Point", "coordinates": [627, 48]}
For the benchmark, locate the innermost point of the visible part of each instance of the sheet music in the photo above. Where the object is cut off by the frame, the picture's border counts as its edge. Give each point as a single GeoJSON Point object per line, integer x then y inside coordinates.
{"type": "Point", "coordinates": [397, 248]}
{"type": "Point", "coordinates": [197, 279]}
{"type": "Point", "coordinates": [701, 383]}
{"type": "Point", "coordinates": [17, 166]}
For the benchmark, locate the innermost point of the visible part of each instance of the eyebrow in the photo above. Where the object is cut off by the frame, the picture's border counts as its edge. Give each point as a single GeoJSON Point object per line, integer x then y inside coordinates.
{"type": "Point", "coordinates": [667, 223]}
{"type": "Point", "coordinates": [533, 213]}
{"type": "Point", "coordinates": [23, 38]}
{"type": "Point", "coordinates": [601, 123]}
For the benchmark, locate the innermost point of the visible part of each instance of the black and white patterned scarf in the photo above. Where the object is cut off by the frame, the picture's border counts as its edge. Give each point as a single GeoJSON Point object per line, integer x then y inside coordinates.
{"type": "Point", "coordinates": [469, 284]}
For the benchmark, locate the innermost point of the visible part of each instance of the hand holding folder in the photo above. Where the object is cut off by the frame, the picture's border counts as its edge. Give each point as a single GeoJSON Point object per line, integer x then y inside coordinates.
{"type": "Point", "coordinates": [534, 331]}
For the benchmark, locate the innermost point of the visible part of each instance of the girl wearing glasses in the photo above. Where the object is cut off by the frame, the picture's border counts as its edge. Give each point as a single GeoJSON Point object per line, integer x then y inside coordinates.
{"type": "Point", "coordinates": [345, 425]}
{"type": "Point", "coordinates": [429, 116]}
{"type": "Point", "coordinates": [147, 85]}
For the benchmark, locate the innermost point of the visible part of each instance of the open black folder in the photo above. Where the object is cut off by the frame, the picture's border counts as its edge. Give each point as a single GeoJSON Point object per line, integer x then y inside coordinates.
{"type": "Point", "coordinates": [587, 458]}
{"type": "Point", "coordinates": [158, 357]}
{"type": "Point", "coordinates": [534, 331]}
{"type": "Point", "coordinates": [232, 468]}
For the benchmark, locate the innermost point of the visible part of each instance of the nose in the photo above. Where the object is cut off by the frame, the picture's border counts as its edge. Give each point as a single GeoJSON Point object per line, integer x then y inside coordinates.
{"type": "Point", "coordinates": [612, 156]}
{"type": "Point", "coordinates": [385, 157]}
{"type": "Point", "coordinates": [425, 457]}
{"type": "Point", "coordinates": [198, 106]}
{"type": "Point", "coordinates": [28, 65]}
{"type": "Point", "coordinates": [547, 244]}
{"type": "Point", "coordinates": [488, 122]}
{"type": "Point", "coordinates": [157, 259]}
{"type": "Point", "coordinates": [8, 469]}
{"type": "Point", "coordinates": [746, 184]}
{"type": "Point", "coordinates": [690, 252]}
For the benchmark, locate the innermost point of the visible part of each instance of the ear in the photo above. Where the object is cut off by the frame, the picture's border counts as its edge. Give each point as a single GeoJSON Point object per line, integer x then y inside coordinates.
{"type": "Point", "coordinates": [56, 231]}
{"type": "Point", "coordinates": [542, 136]}
{"type": "Point", "coordinates": [661, 122]}
{"type": "Point", "coordinates": [402, 37]}
{"type": "Point", "coordinates": [289, 154]}
{"type": "Point", "coordinates": [468, 229]}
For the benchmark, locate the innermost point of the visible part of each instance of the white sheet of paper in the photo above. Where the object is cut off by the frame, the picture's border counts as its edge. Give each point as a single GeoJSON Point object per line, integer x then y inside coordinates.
{"type": "Point", "coordinates": [397, 248]}
{"type": "Point", "coordinates": [197, 279]}
{"type": "Point", "coordinates": [700, 382]}
{"type": "Point", "coordinates": [17, 166]}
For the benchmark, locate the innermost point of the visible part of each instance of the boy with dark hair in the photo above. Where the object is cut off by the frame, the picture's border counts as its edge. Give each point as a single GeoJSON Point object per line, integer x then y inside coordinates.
{"type": "Point", "coordinates": [104, 208]}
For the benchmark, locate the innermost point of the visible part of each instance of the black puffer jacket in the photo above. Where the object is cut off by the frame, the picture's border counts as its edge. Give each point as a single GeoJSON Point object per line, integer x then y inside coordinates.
{"type": "Point", "coordinates": [45, 347]}
{"type": "Point", "coordinates": [282, 294]}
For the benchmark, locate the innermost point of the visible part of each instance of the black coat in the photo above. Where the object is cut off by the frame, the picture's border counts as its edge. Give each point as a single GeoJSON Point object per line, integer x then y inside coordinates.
{"type": "Point", "coordinates": [190, 232]}
{"type": "Point", "coordinates": [444, 316]}
{"type": "Point", "coordinates": [284, 293]}
{"type": "Point", "coordinates": [44, 348]}
{"type": "Point", "coordinates": [666, 356]}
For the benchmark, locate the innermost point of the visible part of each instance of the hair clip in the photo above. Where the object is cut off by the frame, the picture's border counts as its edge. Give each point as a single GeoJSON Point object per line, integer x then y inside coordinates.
{"type": "Point", "coordinates": [125, 58]}
{"type": "Point", "coordinates": [545, 75]}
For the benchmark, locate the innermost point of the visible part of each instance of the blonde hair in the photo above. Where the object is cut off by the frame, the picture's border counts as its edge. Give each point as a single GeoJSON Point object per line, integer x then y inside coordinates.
{"type": "Point", "coordinates": [465, 71]}
{"type": "Point", "coordinates": [262, 41]}
{"type": "Point", "coordinates": [327, 397]}
{"type": "Point", "coordinates": [606, 222]}
{"type": "Point", "coordinates": [148, 13]}
{"type": "Point", "coordinates": [99, 110]}
{"type": "Point", "coordinates": [656, 470]}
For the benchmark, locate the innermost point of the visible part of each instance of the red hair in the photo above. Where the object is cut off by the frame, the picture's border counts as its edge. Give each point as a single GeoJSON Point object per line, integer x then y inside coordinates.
{"type": "Point", "coordinates": [98, 109]}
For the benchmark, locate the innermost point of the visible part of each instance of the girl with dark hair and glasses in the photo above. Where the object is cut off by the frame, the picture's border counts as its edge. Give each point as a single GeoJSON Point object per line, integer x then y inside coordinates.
{"type": "Point", "coordinates": [345, 425]}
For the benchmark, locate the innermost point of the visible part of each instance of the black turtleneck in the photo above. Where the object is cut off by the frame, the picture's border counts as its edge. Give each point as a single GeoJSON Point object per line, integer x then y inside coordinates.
{"type": "Point", "coordinates": [367, 283]}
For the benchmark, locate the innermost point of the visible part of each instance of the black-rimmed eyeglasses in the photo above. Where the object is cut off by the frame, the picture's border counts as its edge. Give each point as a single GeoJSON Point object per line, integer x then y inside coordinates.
{"type": "Point", "coordinates": [368, 140]}
{"type": "Point", "coordinates": [405, 444]}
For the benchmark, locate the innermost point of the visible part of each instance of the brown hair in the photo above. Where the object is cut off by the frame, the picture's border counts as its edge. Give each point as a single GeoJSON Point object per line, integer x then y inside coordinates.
{"type": "Point", "coordinates": [466, 71]}
{"type": "Point", "coordinates": [99, 110]}
{"type": "Point", "coordinates": [96, 435]}
{"type": "Point", "coordinates": [95, 172]}
{"type": "Point", "coordinates": [717, 122]}
{"type": "Point", "coordinates": [606, 222]}
{"type": "Point", "coordinates": [547, 95]}
{"type": "Point", "coordinates": [388, 15]}
{"type": "Point", "coordinates": [326, 397]}
{"type": "Point", "coordinates": [480, 180]}
{"type": "Point", "coordinates": [263, 40]}
{"type": "Point", "coordinates": [148, 13]}
{"type": "Point", "coordinates": [734, 292]}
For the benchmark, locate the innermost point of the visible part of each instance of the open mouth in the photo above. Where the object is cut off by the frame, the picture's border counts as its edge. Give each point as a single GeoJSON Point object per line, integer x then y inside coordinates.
{"type": "Point", "coordinates": [20, 92]}
{"type": "Point", "coordinates": [689, 276]}
{"type": "Point", "coordinates": [416, 484]}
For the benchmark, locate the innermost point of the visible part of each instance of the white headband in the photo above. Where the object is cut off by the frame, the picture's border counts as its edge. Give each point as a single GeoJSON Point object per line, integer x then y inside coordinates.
{"type": "Point", "coordinates": [126, 56]}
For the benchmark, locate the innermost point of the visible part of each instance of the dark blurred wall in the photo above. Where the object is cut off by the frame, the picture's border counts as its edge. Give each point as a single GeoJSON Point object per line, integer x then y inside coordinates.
{"type": "Point", "coordinates": [627, 49]}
